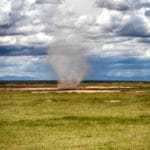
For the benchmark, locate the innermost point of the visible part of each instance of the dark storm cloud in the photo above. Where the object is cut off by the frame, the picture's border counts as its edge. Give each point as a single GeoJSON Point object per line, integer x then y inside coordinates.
{"type": "Point", "coordinates": [50, 1]}
{"type": "Point", "coordinates": [123, 5]}
{"type": "Point", "coordinates": [111, 4]}
{"type": "Point", "coordinates": [135, 27]}
{"type": "Point", "coordinates": [22, 50]}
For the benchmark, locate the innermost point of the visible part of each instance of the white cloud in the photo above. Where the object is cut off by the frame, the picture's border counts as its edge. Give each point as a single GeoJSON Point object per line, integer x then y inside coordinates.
{"type": "Point", "coordinates": [5, 9]}
{"type": "Point", "coordinates": [38, 38]}
{"type": "Point", "coordinates": [18, 65]}
{"type": "Point", "coordinates": [128, 73]}
{"type": "Point", "coordinates": [114, 26]}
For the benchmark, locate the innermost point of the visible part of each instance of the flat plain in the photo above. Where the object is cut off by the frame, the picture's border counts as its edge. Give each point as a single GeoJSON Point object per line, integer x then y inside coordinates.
{"type": "Point", "coordinates": [76, 121]}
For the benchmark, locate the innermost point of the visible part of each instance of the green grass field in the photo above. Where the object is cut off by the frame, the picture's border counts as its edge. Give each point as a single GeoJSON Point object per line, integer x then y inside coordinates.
{"type": "Point", "coordinates": [49, 121]}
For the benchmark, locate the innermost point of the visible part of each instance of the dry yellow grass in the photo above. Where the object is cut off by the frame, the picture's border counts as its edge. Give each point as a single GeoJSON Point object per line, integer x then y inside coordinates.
{"type": "Point", "coordinates": [94, 121]}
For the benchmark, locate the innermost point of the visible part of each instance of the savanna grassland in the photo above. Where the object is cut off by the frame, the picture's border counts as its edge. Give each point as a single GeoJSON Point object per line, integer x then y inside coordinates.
{"type": "Point", "coordinates": [75, 121]}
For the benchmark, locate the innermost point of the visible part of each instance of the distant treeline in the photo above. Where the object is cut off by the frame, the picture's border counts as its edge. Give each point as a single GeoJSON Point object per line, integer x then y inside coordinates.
{"type": "Point", "coordinates": [55, 81]}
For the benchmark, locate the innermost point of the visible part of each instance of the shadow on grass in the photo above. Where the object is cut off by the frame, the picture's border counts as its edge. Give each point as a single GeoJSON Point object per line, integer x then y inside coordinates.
{"type": "Point", "coordinates": [75, 120]}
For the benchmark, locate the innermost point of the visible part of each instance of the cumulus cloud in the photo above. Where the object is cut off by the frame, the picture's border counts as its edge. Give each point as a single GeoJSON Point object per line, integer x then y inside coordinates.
{"type": "Point", "coordinates": [25, 68]}
{"type": "Point", "coordinates": [26, 17]}
{"type": "Point", "coordinates": [10, 66]}
{"type": "Point", "coordinates": [113, 26]}
{"type": "Point", "coordinates": [117, 29]}
{"type": "Point", "coordinates": [136, 27]}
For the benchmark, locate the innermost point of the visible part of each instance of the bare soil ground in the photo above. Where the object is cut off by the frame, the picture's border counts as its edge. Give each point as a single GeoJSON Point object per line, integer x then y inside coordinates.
{"type": "Point", "coordinates": [83, 88]}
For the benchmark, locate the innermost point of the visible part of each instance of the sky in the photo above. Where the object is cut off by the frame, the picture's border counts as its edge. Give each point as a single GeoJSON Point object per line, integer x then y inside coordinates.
{"type": "Point", "coordinates": [118, 32]}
